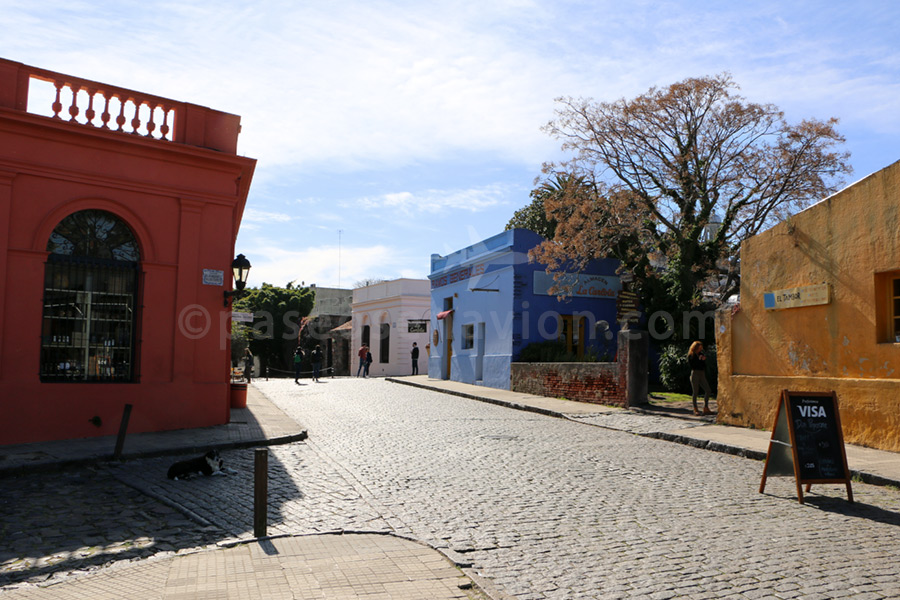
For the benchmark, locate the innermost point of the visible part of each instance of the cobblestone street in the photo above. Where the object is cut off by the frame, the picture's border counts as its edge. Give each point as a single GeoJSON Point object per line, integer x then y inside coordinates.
{"type": "Point", "coordinates": [549, 508]}
{"type": "Point", "coordinates": [543, 507]}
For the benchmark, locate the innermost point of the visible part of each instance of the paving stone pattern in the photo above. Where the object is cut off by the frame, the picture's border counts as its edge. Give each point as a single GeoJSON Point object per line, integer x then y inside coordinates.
{"type": "Point", "coordinates": [55, 524]}
{"type": "Point", "coordinates": [308, 493]}
{"type": "Point", "coordinates": [549, 508]}
{"type": "Point", "coordinates": [546, 508]}
{"type": "Point", "coordinates": [329, 567]}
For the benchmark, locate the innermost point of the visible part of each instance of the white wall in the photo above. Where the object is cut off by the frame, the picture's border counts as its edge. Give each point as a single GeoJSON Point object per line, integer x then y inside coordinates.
{"type": "Point", "coordinates": [396, 303]}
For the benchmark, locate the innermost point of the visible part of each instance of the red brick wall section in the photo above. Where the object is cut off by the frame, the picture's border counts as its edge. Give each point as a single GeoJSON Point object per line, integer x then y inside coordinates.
{"type": "Point", "coordinates": [598, 383]}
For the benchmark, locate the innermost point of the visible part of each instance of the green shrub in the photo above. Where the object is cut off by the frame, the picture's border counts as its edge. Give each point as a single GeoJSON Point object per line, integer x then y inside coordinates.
{"type": "Point", "coordinates": [675, 372]}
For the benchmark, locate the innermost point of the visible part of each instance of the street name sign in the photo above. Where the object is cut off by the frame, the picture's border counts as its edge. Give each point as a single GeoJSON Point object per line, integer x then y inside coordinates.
{"type": "Point", "coordinates": [808, 295]}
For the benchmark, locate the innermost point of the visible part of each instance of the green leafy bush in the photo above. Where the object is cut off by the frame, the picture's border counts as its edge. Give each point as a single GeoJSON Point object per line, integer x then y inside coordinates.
{"type": "Point", "coordinates": [675, 372]}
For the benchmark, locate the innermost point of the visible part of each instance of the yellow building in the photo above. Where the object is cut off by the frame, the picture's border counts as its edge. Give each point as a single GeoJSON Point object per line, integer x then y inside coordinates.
{"type": "Point", "coordinates": [820, 311]}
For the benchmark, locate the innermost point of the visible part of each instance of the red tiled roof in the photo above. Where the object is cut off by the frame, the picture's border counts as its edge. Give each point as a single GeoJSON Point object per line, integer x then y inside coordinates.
{"type": "Point", "coordinates": [345, 327]}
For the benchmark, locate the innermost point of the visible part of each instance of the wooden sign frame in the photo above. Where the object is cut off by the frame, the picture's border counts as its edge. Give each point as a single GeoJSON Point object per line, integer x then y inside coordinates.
{"type": "Point", "coordinates": [787, 445]}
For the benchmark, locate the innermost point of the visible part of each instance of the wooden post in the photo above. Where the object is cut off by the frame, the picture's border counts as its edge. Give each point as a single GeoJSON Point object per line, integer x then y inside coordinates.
{"type": "Point", "coordinates": [123, 427]}
{"type": "Point", "coordinates": [260, 491]}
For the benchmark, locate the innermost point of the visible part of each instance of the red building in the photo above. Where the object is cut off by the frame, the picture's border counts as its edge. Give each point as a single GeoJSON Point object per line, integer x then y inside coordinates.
{"type": "Point", "coordinates": [118, 218]}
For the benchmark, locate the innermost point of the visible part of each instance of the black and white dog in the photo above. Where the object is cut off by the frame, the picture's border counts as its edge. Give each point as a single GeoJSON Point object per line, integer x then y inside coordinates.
{"type": "Point", "coordinates": [208, 464]}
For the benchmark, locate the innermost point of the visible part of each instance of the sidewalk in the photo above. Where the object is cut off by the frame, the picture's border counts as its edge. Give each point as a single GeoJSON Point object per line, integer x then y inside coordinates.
{"type": "Point", "coordinates": [871, 466]}
{"type": "Point", "coordinates": [317, 567]}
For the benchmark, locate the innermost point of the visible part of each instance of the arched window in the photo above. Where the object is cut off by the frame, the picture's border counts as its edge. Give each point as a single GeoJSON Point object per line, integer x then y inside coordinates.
{"type": "Point", "coordinates": [90, 292]}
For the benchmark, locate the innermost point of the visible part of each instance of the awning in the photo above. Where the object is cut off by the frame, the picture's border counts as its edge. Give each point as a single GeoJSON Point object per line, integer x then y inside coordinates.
{"type": "Point", "coordinates": [348, 326]}
{"type": "Point", "coordinates": [444, 314]}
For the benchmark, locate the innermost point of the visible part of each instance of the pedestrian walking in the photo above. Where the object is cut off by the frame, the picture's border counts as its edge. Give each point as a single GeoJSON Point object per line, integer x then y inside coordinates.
{"type": "Point", "coordinates": [368, 362]}
{"type": "Point", "coordinates": [298, 360]}
{"type": "Point", "coordinates": [363, 351]}
{"type": "Point", "coordinates": [697, 361]}
{"type": "Point", "coordinates": [316, 357]}
{"type": "Point", "coordinates": [248, 364]}
{"type": "Point", "coordinates": [415, 359]}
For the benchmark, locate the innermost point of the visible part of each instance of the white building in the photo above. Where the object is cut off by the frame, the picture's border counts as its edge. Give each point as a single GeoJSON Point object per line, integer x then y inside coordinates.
{"type": "Point", "coordinates": [390, 316]}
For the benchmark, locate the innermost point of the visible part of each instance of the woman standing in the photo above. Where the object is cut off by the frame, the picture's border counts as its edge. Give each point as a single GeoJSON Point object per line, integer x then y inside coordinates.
{"type": "Point", "coordinates": [697, 361]}
{"type": "Point", "coordinates": [248, 364]}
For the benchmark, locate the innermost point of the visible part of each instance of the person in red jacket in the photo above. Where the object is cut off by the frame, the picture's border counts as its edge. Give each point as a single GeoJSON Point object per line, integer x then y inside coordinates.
{"type": "Point", "coordinates": [363, 352]}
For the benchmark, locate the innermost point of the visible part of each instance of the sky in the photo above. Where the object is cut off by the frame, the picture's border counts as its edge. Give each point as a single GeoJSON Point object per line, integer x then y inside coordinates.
{"type": "Point", "coordinates": [388, 131]}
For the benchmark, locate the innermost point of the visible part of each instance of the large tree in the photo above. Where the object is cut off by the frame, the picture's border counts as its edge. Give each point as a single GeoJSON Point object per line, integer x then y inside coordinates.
{"type": "Point", "coordinates": [277, 313]}
{"type": "Point", "coordinates": [534, 216]}
{"type": "Point", "coordinates": [671, 181]}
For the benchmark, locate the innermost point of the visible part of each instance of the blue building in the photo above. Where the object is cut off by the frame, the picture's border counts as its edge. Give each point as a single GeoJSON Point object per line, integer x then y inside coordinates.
{"type": "Point", "coordinates": [488, 302]}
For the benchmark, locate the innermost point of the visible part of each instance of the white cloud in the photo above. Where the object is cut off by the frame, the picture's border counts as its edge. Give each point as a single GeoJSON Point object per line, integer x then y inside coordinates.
{"type": "Point", "coordinates": [349, 84]}
{"type": "Point", "coordinates": [345, 85]}
{"type": "Point", "coordinates": [438, 201]}
{"type": "Point", "coordinates": [368, 115]}
{"type": "Point", "coordinates": [252, 215]}
{"type": "Point", "coordinates": [369, 87]}
{"type": "Point", "coordinates": [329, 266]}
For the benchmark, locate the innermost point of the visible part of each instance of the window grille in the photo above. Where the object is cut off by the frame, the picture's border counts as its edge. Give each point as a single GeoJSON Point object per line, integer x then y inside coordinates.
{"type": "Point", "coordinates": [88, 326]}
{"type": "Point", "coordinates": [90, 299]}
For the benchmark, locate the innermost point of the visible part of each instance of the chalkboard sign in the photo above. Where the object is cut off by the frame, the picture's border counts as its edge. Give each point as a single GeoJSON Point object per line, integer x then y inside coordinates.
{"type": "Point", "coordinates": [807, 442]}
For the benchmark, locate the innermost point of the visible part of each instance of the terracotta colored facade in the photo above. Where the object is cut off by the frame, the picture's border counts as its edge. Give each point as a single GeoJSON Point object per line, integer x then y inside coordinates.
{"type": "Point", "coordinates": [842, 336]}
{"type": "Point", "coordinates": [169, 171]}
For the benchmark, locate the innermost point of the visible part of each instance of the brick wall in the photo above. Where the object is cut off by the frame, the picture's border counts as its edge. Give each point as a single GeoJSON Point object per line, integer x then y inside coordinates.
{"type": "Point", "coordinates": [598, 383]}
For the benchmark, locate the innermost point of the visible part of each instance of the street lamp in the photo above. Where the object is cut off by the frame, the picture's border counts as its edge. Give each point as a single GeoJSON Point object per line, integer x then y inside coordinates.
{"type": "Point", "coordinates": [240, 266]}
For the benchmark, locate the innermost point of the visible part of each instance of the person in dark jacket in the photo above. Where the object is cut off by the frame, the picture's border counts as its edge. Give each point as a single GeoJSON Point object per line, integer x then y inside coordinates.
{"type": "Point", "coordinates": [415, 359]}
{"type": "Point", "coordinates": [368, 362]}
{"type": "Point", "coordinates": [316, 358]}
{"type": "Point", "coordinates": [298, 360]}
{"type": "Point", "coordinates": [697, 361]}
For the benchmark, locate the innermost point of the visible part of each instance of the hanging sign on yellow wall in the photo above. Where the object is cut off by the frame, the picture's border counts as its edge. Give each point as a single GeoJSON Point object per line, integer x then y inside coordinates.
{"type": "Point", "coordinates": [808, 295]}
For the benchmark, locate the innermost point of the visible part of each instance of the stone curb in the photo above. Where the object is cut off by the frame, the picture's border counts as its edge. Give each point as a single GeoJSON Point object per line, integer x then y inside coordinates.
{"type": "Point", "coordinates": [862, 476]}
{"type": "Point", "coordinates": [522, 407]}
{"type": "Point", "coordinates": [51, 466]}
{"type": "Point", "coordinates": [706, 445]}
